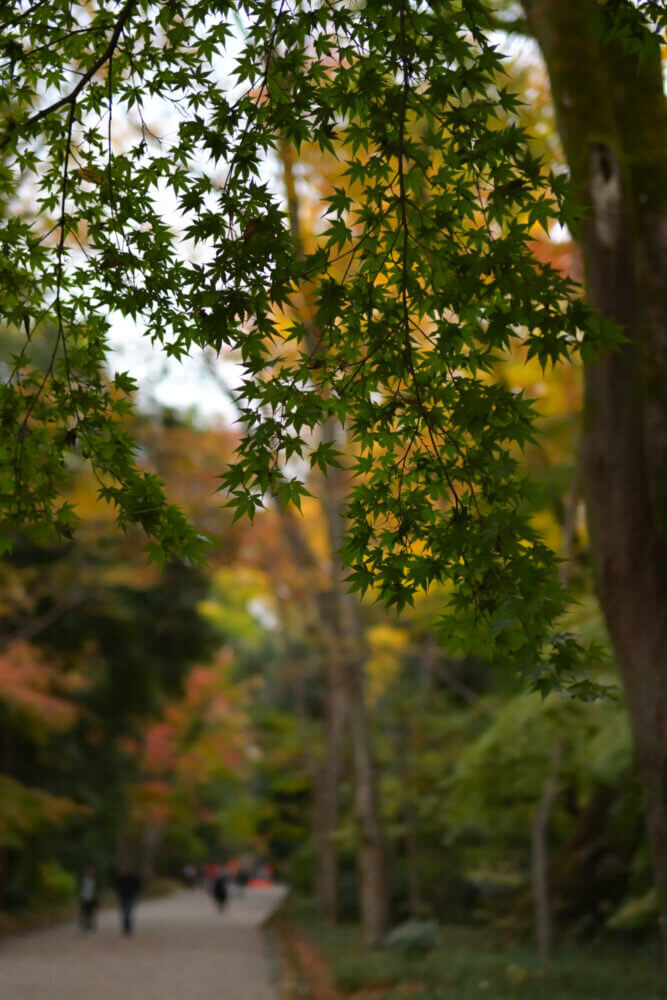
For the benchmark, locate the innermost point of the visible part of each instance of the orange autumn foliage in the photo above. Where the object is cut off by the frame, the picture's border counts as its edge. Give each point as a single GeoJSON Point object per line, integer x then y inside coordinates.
{"type": "Point", "coordinates": [32, 688]}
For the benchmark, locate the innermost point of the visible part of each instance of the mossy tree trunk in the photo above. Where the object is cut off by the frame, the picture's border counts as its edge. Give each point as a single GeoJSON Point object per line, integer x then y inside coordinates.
{"type": "Point", "coordinates": [612, 117]}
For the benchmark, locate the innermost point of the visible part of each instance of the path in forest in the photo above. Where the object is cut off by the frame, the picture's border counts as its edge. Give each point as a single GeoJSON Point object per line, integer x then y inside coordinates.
{"type": "Point", "coordinates": [183, 949]}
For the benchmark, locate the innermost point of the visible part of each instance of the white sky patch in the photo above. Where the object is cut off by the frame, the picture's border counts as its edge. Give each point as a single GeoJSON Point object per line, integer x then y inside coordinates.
{"type": "Point", "coordinates": [200, 383]}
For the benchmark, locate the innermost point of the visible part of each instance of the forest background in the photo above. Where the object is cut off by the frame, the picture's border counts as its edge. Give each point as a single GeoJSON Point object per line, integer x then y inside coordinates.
{"type": "Point", "coordinates": [174, 713]}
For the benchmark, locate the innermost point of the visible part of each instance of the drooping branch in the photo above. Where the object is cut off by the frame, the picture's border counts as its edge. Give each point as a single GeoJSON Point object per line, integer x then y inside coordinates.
{"type": "Point", "coordinates": [71, 98]}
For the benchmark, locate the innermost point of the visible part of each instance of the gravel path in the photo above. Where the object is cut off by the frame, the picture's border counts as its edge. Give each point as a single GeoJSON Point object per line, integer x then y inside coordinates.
{"type": "Point", "coordinates": [183, 949]}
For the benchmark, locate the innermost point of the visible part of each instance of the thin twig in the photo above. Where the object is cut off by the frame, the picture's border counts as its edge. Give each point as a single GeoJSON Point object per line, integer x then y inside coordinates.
{"type": "Point", "coordinates": [71, 98]}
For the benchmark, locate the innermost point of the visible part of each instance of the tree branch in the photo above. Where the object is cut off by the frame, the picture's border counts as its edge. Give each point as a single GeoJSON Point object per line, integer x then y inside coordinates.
{"type": "Point", "coordinates": [87, 76]}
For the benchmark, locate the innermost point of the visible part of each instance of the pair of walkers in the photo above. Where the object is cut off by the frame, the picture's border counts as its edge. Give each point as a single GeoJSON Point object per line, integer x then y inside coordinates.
{"type": "Point", "coordinates": [128, 885]}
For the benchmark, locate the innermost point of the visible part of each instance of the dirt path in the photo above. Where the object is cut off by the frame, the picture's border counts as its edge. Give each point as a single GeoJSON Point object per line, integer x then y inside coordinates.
{"type": "Point", "coordinates": [183, 949]}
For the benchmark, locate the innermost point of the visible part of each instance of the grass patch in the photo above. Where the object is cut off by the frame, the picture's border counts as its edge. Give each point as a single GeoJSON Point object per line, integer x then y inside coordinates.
{"type": "Point", "coordinates": [352, 971]}
{"type": "Point", "coordinates": [473, 963]}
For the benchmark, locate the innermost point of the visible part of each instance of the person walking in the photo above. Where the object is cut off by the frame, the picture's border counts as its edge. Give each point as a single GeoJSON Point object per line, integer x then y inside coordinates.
{"type": "Point", "coordinates": [220, 892]}
{"type": "Point", "coordinates": [88, 899]}
{"type": "Point", "coordinates": [128, 885]}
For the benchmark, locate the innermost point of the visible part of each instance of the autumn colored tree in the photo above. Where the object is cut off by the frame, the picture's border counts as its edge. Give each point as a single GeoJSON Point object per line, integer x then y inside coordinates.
{"type": "Point", "coordinates": [35, 704]}
{"type": "Point", "coordinates": [94, 643]}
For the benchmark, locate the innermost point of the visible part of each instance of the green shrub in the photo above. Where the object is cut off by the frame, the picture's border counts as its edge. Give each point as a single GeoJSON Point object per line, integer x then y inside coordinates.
{"type": "Point", "coordinates": [55, 885]}
{"type": "Point", "coordinates": [414, 937]}
{"type": "Point", "coordinates": [636, 916]}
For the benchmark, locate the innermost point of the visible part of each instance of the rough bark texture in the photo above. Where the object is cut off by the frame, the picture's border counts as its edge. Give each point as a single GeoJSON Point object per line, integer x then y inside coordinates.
{"type": "Point", "coordinates": [612, 118]}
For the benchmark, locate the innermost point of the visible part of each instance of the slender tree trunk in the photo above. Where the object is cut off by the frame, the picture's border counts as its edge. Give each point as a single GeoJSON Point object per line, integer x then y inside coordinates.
{"type": "Point", "coordinates": [327, 773]}
{"type": "Point", "coordinates": [6, 768]}
{"type": "Point", "coordinates": [570, 526]}
{"type": "Point", "coordinates": [8, 743]}
{"type": "Point", "coordinates": [412, 857]}
{"type": "Point", "coordinates": [331, 775]}
{"type": "Point", "coordinates": [540, 865]}
{"type": "Point", "coordinates": [612, 117]}
{"type": "Point", "coordinates": [371, 853]}
{"type": "Point", "coordinates": [371, 856]}
{"type": "Point", "coordinates": [326, 820]}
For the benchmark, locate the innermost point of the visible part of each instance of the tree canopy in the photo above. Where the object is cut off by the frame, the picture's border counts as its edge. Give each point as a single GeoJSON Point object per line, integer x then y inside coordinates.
{"type": "Point", "coordinates": [419, 279]}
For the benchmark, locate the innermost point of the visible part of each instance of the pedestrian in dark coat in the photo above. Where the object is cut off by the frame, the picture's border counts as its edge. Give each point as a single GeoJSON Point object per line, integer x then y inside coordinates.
{"type": "Point", "coordinates": [220, 890]}
{"type": "Point", "coordinates": [128, 885]}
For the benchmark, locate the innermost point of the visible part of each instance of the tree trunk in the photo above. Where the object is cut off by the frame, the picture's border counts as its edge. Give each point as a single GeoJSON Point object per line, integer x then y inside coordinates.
{"type": "Point", "coordinates": [412, 856]}
{"type": "Point", "coordinates": [349, 669]}
{"type": "Point", "coordinates": [344, 701]}
{"type": "Point", "coordinates": [371, 842]}
{"type": "Point", "coordinates": [612, 117]}
{"type": "Point", "coordinates": [6, 768]}
{"type": "Point", "coordinates": [327, 813]}
{"type": "Point", "coordinates": [331, 774]}
{"type": "Point", "coordinates": [371, 855]}
{"type": "Point", "coordinates": [540, 864]}
{"type": "Point", "coordinates": [570, 526]}
{"type": "Point", "coordinates": [327, 773]}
